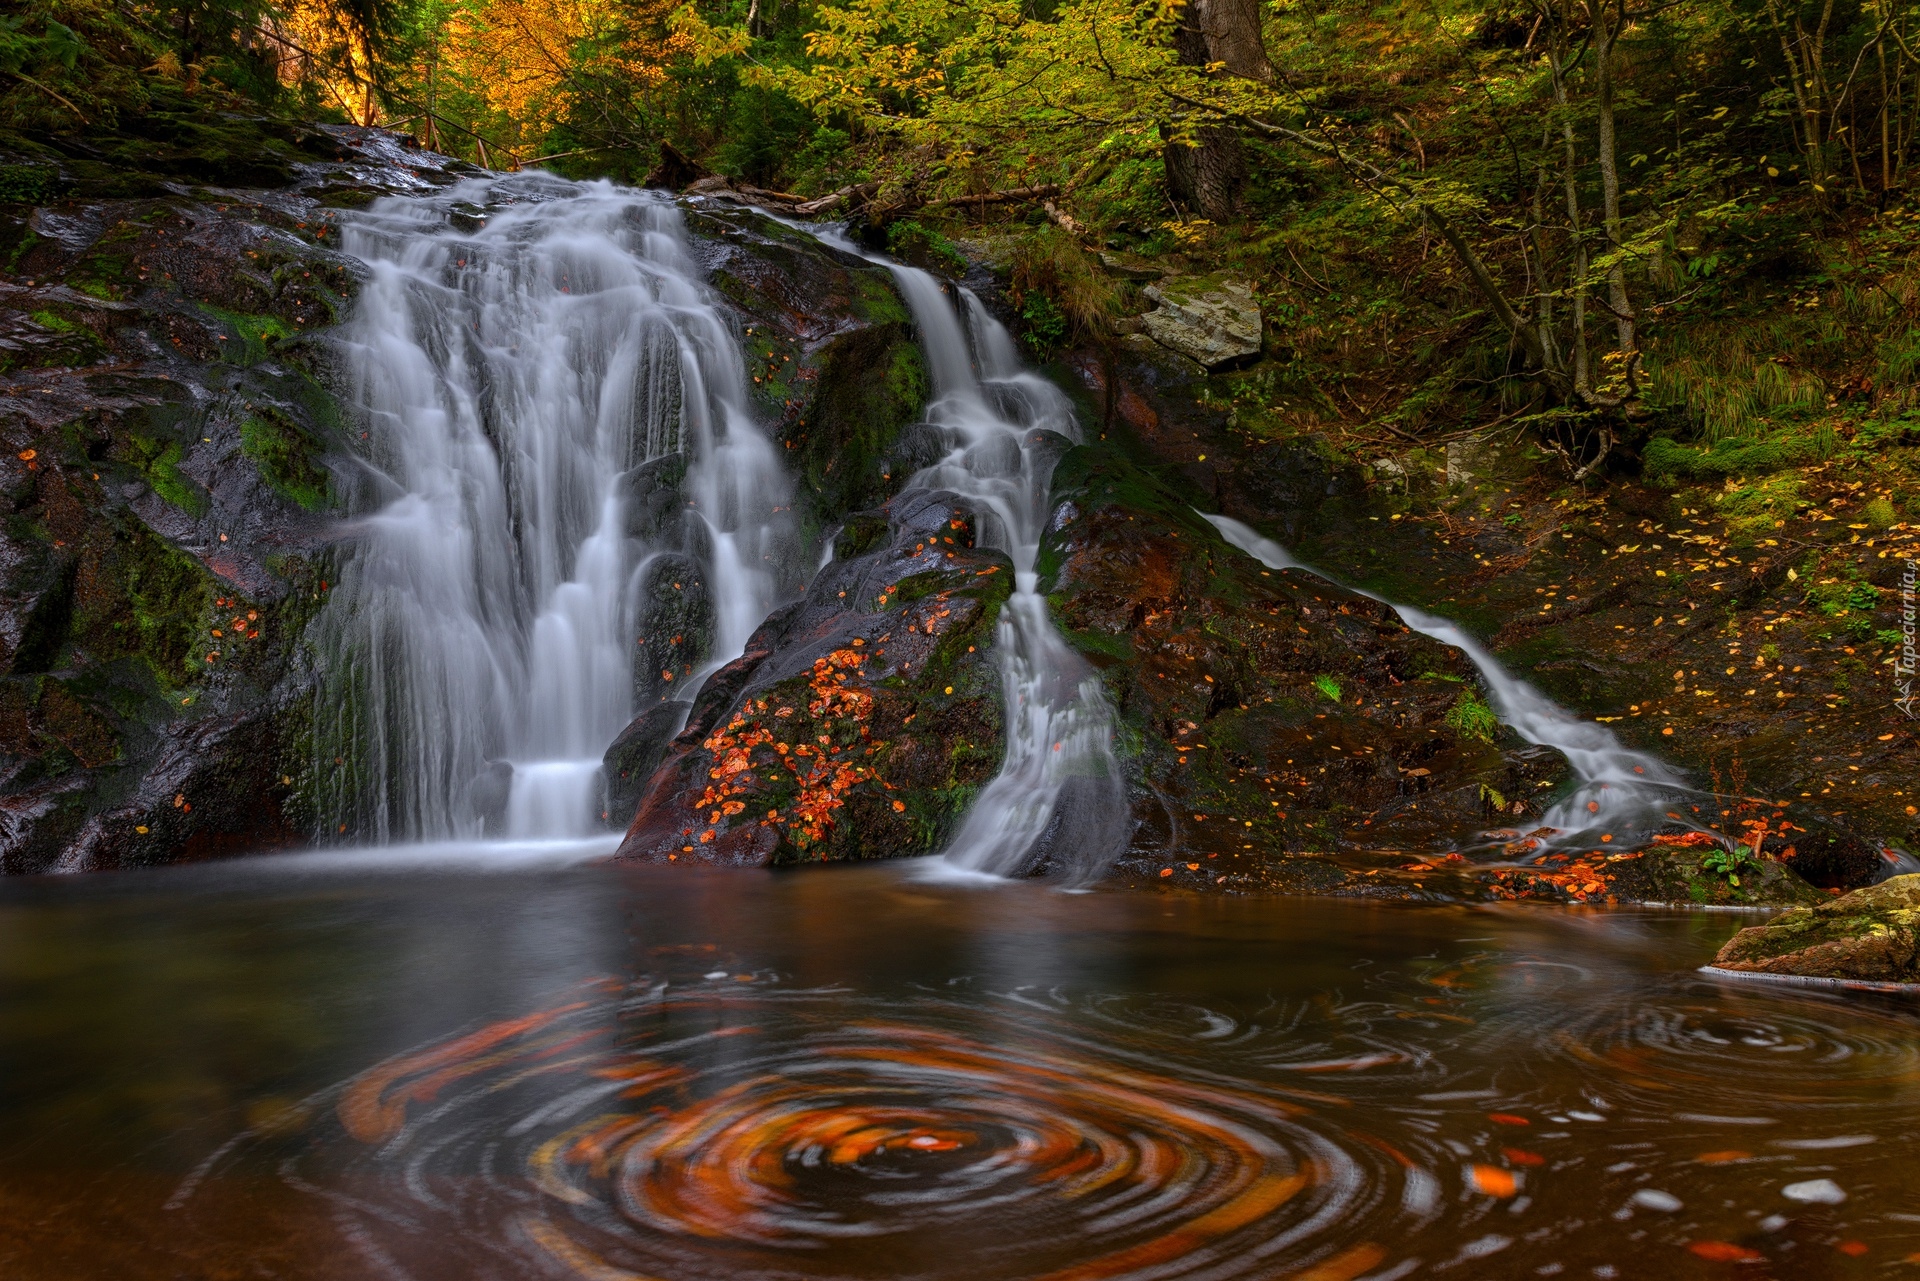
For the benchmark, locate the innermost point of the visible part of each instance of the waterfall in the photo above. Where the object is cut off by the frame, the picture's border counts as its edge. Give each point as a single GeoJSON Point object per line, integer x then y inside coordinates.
{"type": "Point", "coordinates": [1058, 802]}
{"type": "Point", "coordinates": [1617, 788]}
{"type": "Point", "coordinates": [522, 348]}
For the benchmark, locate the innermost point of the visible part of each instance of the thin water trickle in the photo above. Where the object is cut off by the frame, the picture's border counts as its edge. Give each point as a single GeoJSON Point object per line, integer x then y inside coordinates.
{"type": "Point", "coordinates": [1058, 803]}
{"type": "Point", "coordinates": [1618, 788]}
{"type": "Point", "coordinates": [521, 344]}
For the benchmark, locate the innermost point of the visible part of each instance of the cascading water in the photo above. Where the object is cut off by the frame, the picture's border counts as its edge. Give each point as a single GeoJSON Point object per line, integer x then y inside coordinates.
{"type": "Point", "coordinates": [521, 347]}
{"type": "Point", "coordinates": [1618, 788]}
{"type": "Point", "coordinates": [1058, 801]}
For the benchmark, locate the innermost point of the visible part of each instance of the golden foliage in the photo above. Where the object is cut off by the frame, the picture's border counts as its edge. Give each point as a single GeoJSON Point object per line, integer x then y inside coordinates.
{"type": "Point", "coordinates": [529, 59]}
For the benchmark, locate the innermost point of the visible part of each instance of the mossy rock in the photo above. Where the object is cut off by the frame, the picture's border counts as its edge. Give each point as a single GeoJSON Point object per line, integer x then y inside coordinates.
{"type": "Point", "coordinates": [1677, 875]}
{"type": "Point", "coordinates": [832, 355]}
{"type": "Point", "coordinates": [861, 720]}
{"type": "Point", "coordinates": [164, 544]}
{"type": "Point", "coordinates": [1264, 713]}
{"type": "Point", "coordinates": [1871, 935]}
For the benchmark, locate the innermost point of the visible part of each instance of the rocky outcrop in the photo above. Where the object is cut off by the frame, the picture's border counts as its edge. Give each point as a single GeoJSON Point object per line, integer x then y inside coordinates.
{"type": "Point", "coordinates": [168, 442]}
{"type": "Point", "coordinates": [860, 720]}
{"type": "Point", "coordinates": [836, 370]}
{"type": "Point", "coordinates": [831, 349]}
{"type": "Point", "coordinates": [1212, 321]}
{"type": "Point", "coordinates": [1269, 718]}
{"type": "Point", "coordinates": [1871, 935]}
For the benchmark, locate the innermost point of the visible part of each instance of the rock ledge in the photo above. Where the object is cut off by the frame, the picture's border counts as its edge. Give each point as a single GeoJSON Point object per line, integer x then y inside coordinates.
{"type": "Point", "coordinates": [1871, 935]}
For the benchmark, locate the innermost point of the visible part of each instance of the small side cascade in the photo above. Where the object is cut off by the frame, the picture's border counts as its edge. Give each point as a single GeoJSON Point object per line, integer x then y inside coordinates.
{"type": "Point", "coordinates": [522, 349]}
{"type": "Point", "coordinates": [1618, 789]}
{"type": "Point", "coordinates": [1059, 801]}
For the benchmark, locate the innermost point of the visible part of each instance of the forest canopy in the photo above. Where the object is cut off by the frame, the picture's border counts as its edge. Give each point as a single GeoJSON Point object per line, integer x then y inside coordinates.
{"type": "Point", "coordinates": [1578, 208]}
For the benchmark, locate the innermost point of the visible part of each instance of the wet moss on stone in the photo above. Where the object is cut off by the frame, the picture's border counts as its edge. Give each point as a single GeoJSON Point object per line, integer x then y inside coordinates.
{"type": "Point", "coordinates": [287, 456]}
{"type": "Point", "coordinates": [254, 335]}
{"type": "Point", "coordinates": [1870, 935]}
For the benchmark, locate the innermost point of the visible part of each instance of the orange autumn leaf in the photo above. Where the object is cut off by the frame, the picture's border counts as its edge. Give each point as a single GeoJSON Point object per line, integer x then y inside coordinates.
{"type": "Point", "coordinates": [1491, 1180]}
{"type": "Point", "coordinates": [1724, 1252]}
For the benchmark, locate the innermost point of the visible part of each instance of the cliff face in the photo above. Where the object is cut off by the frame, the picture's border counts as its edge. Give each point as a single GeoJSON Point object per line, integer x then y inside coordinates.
{"type": "Point", "coordinates": [167, 432]}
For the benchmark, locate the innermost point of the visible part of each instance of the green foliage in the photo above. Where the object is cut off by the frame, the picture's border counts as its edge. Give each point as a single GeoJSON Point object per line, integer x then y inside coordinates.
{"type": "Point", "coordinates": [1754, 505]}
{"type": "Point", "coordinates": [28, 184]}
{"type": "Point", "coordinates": [1061, 292]}
{"type": "Point", "coordinates": [924, 247]}
{"type": "Point", "coordinates": [1788, 447]}
{"type": "Point", "coordinates": [1329, 686]}
{"type": "Point", "coordinates": [1730, 863]}
{"type": "Point", "coordinates": [1838, 597]}
{"type": "Point", "coordinates": [47, 320]}
{"type": "Point", "coordinates": [160, 463]}
{"type": "Point", "coordinates": [1470, 717]}
{"type": "Point", "coordinates": [764, 133]}
{"type": "Point", "coordinates": [254, 335]}
{"type": "Point", "coordinates": [1043, 327]}
{"type": "Point", "coordinates": [286, 458]}
{"type": "Point", "coordinates": [56, 47]}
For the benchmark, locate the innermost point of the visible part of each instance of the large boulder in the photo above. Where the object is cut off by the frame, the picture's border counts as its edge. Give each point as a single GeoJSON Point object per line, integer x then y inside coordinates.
{"type": "Point", "coordinates": [1871, 935]}
{"type": "Point", "coordinates": [831, 351]}
{"type": "Point", "coordinates": [861, 719]}
{"type": "Point", "coordinates": [1212, 321]}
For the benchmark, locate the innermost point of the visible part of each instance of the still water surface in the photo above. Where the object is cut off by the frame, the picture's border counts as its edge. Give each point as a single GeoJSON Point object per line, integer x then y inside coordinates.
{"type": "Point", "coordinates": [607, 1073]}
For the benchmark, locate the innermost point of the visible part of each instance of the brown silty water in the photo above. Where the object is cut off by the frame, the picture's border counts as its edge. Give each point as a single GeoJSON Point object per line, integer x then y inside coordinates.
{"type": "Point", "coordinates": [277, 1069]}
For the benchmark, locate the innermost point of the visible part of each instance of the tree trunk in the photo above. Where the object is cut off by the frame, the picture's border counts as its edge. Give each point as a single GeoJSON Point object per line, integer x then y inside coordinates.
{"type": "Point", "coordinates": [1576, 230]}
{"type": "Point", "coordinates": [1207, 177]}
{"type": "Point", "coordinates": [1606, 36]}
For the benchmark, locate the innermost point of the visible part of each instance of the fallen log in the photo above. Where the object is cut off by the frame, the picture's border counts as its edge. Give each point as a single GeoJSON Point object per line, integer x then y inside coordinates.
{"type": "Point", "coordinates": [1066, 221]}
{"type": "Point", "coordinates": [1009, 195]}
{"type": "Point", "coordinates": [832, 200]}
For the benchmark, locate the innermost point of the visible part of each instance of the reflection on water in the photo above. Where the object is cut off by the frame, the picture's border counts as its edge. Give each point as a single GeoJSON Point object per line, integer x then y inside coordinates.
{"type": "Point", "coordinates": [601, 1073]}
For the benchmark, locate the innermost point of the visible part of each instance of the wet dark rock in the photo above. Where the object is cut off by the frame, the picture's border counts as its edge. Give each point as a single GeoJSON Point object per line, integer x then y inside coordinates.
{"type": "Point", "coordinates": [860, 721]}
{"type": "Point", "coordinates": [1666, 874]}
{"type": "Point", "coordinates": [677, 609]}
{"type": "Point", "coordinates": [169, 461]}
{"type": "Point", "coordinates": [1264, 714]}
{"type": "Point", "coordinates": [654, 504]}
{"type": "Point", "coordinates": [636, 754]}
{"type": "Point", "coordinates": [1870, 935]}
{"type": "Point", "coordinates": [832, 354]}
{"type": "Point", "coordinates": [489, 793]}
{"type": "Point", "coordinates": [1832, 858]}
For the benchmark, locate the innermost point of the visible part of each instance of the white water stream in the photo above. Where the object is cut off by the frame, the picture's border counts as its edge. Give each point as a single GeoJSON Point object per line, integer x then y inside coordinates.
{"type": "Point", "coordinates": [1618, 789]}
{"type": "Point", "coordinates": [521, 344]}
{"type": "Point", "coordinates": [1059, 801]}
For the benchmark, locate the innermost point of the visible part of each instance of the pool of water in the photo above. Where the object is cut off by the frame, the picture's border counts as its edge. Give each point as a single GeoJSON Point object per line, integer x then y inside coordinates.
{"type": "Point", "coordinates": [413, 1069]}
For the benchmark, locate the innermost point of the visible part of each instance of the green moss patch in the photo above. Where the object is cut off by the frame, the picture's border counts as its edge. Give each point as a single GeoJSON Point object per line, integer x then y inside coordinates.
{"type": "Point", "coordinates": [1870, 935]}
{"type": "Point", "coordinates": [288, 458]}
